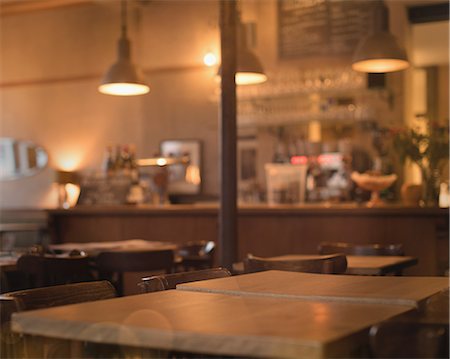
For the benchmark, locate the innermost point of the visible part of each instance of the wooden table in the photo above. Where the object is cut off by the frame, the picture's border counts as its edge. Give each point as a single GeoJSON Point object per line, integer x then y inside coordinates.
{"type": "Point", "coordinates": [358, 265]}
{"type": "Point", "coordinates": [213, 324]}
{"type": "Point", "coordinates": [94, 248]}
{"type": "Point", "coordinates": [363, 265]}
{"type": "Point", "coordinates": [410, 291]}
{"type": "Point", "coordinates": [8, 262]}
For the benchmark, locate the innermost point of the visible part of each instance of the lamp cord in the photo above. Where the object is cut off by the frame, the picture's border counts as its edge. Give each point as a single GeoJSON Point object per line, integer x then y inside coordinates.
{"type": "Point", "coordinates": [123, 14]}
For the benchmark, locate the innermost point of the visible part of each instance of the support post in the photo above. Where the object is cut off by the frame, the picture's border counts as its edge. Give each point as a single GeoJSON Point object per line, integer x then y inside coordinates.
{"type": "Point", "coordinates": [228, 134]}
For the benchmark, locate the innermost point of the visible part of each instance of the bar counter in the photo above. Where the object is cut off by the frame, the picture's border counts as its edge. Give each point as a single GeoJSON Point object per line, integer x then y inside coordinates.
{"type": "Point", "coordinates": [267, 230]}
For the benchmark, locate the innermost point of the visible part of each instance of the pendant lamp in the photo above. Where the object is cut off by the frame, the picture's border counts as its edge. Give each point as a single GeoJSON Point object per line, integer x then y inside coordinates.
{"type": "Point", "coordinates": [249, 70]}
{"type": "Point", "coordinates": [380, 52]}
{"type": "Point", "coordinates": [123, 78]}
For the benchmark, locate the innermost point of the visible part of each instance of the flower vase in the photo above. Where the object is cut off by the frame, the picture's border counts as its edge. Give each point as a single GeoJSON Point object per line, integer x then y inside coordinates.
{"type": "Point", "coordinates": [430, 187]}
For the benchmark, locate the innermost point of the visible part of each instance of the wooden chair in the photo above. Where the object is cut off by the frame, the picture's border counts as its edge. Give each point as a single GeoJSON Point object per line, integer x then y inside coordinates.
{"type": "Point", "coordinates": [196, 255]}
{"type": "Point", "coordinates": [396, 339]}
{"type": "Point", "coordinates": [115, 264]}
{"type": "Point", "coordinates": [11, 344]}
{"type": "Point", "coordinates": [373, 249]}
{"type": "Point", "coordinates": [333, 264]}
{"type": "Point", "coordinates": [16, 346]}
{"type": "Point", "coordinates": [46, 297]}
{"type": "Point", "coordinates": [48, 270]}
{"type": "Point", "coordinates": [170, 281]}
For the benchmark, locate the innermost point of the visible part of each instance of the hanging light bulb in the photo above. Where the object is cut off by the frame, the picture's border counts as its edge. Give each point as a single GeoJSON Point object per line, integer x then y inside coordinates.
{"type": "Point", "coordinates": [210, 59]}
{"type": "Point", "coordinates": [123, 78]}
{"type": "Point", "coordinates": [380, 52]}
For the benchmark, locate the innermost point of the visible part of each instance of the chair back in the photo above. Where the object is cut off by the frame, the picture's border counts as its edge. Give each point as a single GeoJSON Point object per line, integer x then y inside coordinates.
{"type": "Point", "coordinates": [46, 297]}
{"type": "Point", "coordinates": [14, 345]}
{"type": "Point", "coordinates": [372, 249]}
{"type": "Point", "coordinates": [170, 281]}
{"type": "Point", "coordinates": [11, 345]}
{"type": "Point", "coordinates": [332, 264]}
{"type": "Point", "coordinates": [54, 270]}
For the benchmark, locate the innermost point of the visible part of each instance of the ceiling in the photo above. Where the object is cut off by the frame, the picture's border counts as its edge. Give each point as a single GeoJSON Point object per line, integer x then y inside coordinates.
{"type": "Point", "coordinates": [11, 7]}
{"type": "Point", "coordinates": [430, 43]}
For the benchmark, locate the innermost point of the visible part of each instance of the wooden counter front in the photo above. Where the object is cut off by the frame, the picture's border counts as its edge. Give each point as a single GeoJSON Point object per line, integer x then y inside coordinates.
{"type": "Point", "coordinates": [267, 230]}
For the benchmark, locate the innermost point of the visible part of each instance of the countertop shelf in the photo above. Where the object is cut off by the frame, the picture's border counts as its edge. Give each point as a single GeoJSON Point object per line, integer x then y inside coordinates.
{"type": "Point", "coordinates": [350, 208]}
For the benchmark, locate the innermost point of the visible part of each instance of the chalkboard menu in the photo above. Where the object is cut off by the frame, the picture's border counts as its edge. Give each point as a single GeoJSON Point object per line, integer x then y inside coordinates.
{"type": "Point", "coordinates": [308, 28]}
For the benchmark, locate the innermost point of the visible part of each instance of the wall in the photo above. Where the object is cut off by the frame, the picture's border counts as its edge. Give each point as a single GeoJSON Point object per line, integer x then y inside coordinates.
{"type": "Point", "coordinates": [52, 63]}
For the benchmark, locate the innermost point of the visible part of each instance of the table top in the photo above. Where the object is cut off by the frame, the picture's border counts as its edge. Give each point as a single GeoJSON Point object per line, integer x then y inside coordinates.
{"type": "Point", "coordinates": [212, 323]}
{"type": "Point", "coordinates": [409, 291]}
{"type": "Point", "coordinates": [8, 262]}
{"type": "Point", "coordinates": [363, 265]}
{"type": "Point", "coordinates": [94, 248]}
{"type": "Point", "coordinates": [21, 227]}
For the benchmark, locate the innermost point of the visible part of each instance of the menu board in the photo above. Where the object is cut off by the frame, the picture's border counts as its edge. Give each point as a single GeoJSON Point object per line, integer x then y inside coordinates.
{"type": "Point", "coordinates": [308, 28]}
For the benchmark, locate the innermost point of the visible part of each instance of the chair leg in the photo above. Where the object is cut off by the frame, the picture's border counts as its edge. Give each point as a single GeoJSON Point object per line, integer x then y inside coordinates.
{"type": "Point", "coordinates": [120, 281]}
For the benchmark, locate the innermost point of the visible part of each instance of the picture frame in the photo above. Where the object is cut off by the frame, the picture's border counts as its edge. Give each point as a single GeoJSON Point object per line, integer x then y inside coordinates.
{"type": "Point", "coordinates": [184, 178]}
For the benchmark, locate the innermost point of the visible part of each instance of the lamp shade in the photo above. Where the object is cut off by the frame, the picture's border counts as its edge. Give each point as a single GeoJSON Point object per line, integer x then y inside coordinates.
{"type": "Point", "coordinates": [379, 53]}
{"type": "Point", "coordinates": [249, 70]}
{"type": "Point", "coordinates": [123, 78]}
{"type": "Point", "coordinates": [63, 177]}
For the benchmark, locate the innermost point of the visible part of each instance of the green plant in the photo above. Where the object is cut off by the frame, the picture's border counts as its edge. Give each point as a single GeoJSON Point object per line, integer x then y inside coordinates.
{"type": "Point", "coordinates": [427, 145]}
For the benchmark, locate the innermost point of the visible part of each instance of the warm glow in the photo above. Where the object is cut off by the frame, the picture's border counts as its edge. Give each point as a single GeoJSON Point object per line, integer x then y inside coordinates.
{"type": "Point", "coordinates": [124, 89]}
{"type": "Point", "coordinates": [161, 161]}
{"type": "Point", "coordinates": [68, 195]}
{"type": "Point", "coordinates": [314, 131]}
{"type": "Point", "coordinates": [330, 160]}
{"type": "Point", "coordinates": [68, 162]}
{"type": "Point", "coordinates": [250, 78]}
{"type": "Point", "coordinates": [72, 194]}
{"type": "Point", "coordinates": [321, 313]}
{"type": "Point", "coordinates": [299, 160]}
{"type": "Point", "coordinates": [380, 65]}
{"type": "Point", "coordinates": [193, 175]}
{"type": "Point", "coordinates": [210, 59]}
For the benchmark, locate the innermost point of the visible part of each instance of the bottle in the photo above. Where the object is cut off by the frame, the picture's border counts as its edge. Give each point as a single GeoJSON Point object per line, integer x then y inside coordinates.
{"type": "Point", "coordinates": [118, 162]}
{"type": "Point", "coordinates": [108, 162]}
{"type": "Point", "coordinates": [126, 160]}
{"type": "Point", "coordinates": [133, 165]}
{"type": "Point", "coordinates": [444, 196]}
